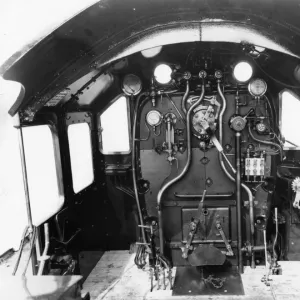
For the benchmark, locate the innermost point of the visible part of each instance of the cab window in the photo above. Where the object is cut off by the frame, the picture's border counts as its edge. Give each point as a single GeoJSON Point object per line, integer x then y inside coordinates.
{"type": "Point", "coordinates": [290, 121]}
{"type": "Point", "coordinates": [114, 128]}
{"type": "Point", "coordinates": [80, 146]}
{"type": "Point", "coordinates": [43, 171]}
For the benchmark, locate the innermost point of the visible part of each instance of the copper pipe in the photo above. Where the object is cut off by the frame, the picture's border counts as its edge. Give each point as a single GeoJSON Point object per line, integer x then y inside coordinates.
{"type": "Point", "coordinates": [206, 196]}
{"type": "Point", "coordinates": [133, 158]}
{"type": "Point", "coordinates": [183, 172]}
{"type": "Point", "coordinates": [185, 96]}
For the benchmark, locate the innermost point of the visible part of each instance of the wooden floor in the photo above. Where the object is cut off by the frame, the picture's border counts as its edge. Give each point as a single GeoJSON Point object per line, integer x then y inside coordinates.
{"type": "Point", "coordinates": [115, 277]}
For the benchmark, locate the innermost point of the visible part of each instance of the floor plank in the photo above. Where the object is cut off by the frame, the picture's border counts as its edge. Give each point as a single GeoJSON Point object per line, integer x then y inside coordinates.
{"type": "Point", "coordinates": [117, 277]}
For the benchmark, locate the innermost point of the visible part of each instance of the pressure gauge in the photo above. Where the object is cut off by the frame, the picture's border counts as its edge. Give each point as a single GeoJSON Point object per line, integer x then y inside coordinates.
{"type": "Point", "coordinates": [257, 87]}
{"type": "Point", "coordinates": [154, 118]}
{"type": "Point", "coordinates": [132, 85]}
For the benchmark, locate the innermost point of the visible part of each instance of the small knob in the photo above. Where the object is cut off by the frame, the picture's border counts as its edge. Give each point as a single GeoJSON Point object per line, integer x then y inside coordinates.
{"type": "Point", "coordinates": [202, 74]}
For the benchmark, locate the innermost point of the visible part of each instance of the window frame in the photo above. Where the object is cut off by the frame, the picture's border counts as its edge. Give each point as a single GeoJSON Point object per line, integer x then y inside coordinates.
{"type": "Point", "coordinates": [129, 126]}
{"type": "Point", "coordinates": [57, 157]}
{"type": "Point", "coordinates": [280, 116]}
{"type": "Point", "coordinates": [92, 156]}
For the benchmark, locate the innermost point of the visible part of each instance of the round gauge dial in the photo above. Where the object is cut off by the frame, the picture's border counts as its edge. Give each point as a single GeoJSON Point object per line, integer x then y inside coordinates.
{"type": "Point", "coordinates": [153, 118]}
{"type": "Point", "coordinates": [132, 85]}
{"type": "Point", "coordinates": [257, 87]}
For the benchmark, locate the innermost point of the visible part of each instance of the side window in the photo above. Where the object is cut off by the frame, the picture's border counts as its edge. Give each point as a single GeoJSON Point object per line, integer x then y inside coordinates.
{"type": "Point", "coordinates": [115, 131]}
{"type": "Point", "coordinates": [79, 136]}
{"type": "Point", "coordinates": [290, 121]}
{"type": "Point", "coordinates": [44, 172]}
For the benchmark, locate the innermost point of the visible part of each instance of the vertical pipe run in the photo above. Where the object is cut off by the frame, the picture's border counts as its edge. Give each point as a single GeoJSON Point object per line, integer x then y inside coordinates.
{"type": "Point", "coordinates": [244, 186]}
{"type": "Point", "coordinates": [238, 198]}
{"type": "Point", "coordinates": [133, 157]}
{"type": "Point", "coordinates": [17, 125]}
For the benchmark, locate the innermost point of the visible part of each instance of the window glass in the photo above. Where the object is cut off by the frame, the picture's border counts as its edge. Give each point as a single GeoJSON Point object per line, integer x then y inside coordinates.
{"type": "Point", "coordinates": [81, 155]}
{"type": "Point", "coordinates": [115, 128]}
{"type": "Point", "coordinates": [43, 168]}
{"type": "Point", "coordinates": [290, 121]}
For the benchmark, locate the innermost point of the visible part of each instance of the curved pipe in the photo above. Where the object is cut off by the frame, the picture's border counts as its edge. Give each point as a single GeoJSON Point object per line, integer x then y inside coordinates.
{"type": "Point", "coordinates": [133, 154]}
{"type": "Point", "coordinates": [247, 190]}
{"type": "Point", "coordinates": [265, 142]}
{"type": "Point", "coordinates": [188, 162]}
{"type": "Point", "coordinates": [185, 96]}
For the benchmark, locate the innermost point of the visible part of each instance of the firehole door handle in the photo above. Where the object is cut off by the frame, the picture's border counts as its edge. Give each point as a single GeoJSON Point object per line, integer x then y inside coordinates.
{"type": "Point", "coordinates": [228, 247]}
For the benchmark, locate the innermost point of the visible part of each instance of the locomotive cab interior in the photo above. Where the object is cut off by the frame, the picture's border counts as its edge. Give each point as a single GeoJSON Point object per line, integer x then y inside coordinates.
{"type": "Point", "coordinates": [186, 153]}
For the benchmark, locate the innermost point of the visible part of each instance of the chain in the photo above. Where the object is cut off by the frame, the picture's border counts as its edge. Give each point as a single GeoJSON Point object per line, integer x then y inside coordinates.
{"type": "Point", "coordinates": [216, 282]}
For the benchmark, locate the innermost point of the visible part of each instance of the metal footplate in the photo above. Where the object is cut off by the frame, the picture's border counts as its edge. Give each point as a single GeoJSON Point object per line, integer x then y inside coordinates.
{"type": "Point", "coordinates": [228, 247]}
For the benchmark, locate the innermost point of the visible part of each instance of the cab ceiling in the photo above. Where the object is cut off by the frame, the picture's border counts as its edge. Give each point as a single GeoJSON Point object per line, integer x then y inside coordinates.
{"type": "Point", "coordinates": [107, 29]}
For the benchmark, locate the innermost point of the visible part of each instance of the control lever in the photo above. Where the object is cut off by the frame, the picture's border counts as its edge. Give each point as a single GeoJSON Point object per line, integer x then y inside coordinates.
{"type": "Point", "coordinates": [193, 228]}
{"type": "Point", "coordinates": [228, 247]}
{"type": "Point", "coordinates": [221, 150]}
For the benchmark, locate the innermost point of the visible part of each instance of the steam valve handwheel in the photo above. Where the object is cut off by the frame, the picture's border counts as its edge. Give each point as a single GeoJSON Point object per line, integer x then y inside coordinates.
{"type": "Point", "coordinates": [238, 123]}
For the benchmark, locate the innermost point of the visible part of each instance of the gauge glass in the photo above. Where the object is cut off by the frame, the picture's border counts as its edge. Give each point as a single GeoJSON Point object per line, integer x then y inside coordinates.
{"type": "Point", "coordinates": [132, 85]}
{"type": "Point", "coordinates": [257, 87]}
{"type": "Point", "coordinates": [153, 118]}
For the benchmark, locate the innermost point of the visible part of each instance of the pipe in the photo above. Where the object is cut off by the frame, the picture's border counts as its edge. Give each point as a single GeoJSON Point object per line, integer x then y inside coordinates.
{"type": "Point", "coordinates": [17, 125]}
{"type": "Point", "coordinates": [179, 176]}
{"type": "Point", "coordinates": [133, 154]}
{"type": "Point", "coordinates": [265, 142]}
{"type": "Point", "coordinates": [275, 256]}
{"type": "Point", "coordinates": [248, 191]}
{"type": "Point", "coordinates": [206, 196]}
{"type": "Point", "coordinates": [185, 96]}
{"type": "Point", "coordinates": [46, 248]}
{"type": "Point", "coordinates": [20, 251]}
{"type": "Point", "coordinates": [238, 198]}
{"type": "Point", "coordinates": [31, 251]}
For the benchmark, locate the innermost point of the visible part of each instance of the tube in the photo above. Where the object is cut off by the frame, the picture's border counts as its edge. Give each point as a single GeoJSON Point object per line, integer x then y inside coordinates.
{"type": "Point", "coordinates": [248, 191]}
{"type": "Point", "coordinates": [183, 172]}
{"type": "Point", "coordinates": [265, 142]}
{"type": "Point", "coordinates": [18, 126]}
{"type": "Point", "coordinates": [44, 256]}
{"type": "Point", "coordinates": [20, 251]}
{"type": "Point", "coordinates": [238, 198]}
{"type": "Point", "coordinates": [206, 196]}
{"type": "Point", "coordinates": [133, 154]}
{"type": "Point", "coordinates": [31, 251]}
{"type": "Point", "coordinates": [185, 96]}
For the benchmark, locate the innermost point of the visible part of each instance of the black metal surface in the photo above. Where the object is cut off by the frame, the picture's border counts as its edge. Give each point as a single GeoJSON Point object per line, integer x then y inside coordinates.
{"type": "Point", "coordinates": [193, 281]}
{"type": "Point", "coordinates": [206, 255]}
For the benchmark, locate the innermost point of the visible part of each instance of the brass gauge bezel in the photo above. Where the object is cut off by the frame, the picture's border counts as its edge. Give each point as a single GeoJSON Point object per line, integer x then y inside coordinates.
{"type": "Point", "coordinates": [126, 84]}
{"type": "Point", "coordinates": [251, 92]}
{"type": "Point", "coordinates": [157, 113]}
